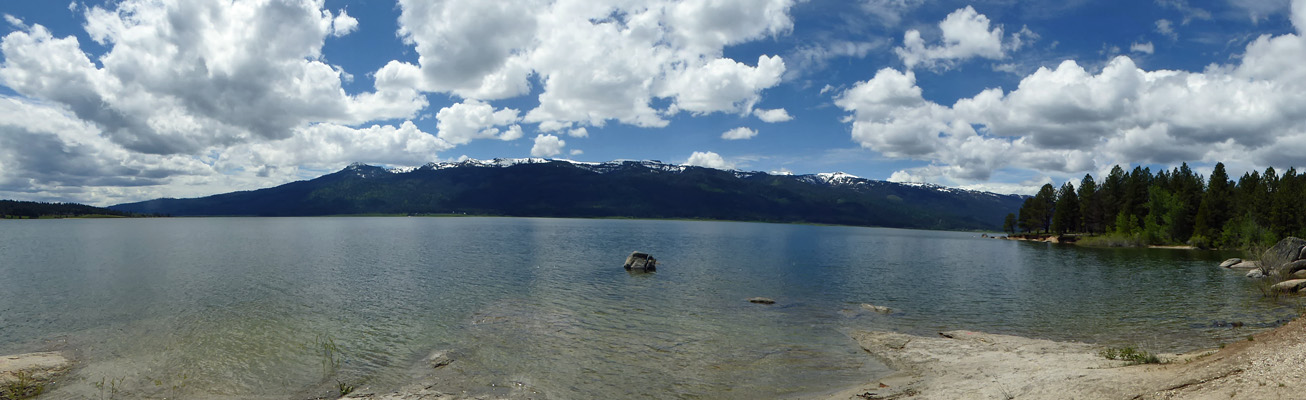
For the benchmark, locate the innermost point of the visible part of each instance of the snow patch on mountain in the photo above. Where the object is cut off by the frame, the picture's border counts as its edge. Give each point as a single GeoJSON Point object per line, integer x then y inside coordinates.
{"type": "Point", "coordinates": [834, 179]}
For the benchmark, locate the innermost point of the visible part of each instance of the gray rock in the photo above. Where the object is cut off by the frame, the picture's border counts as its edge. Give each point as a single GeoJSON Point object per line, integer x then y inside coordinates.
{"type": "Point", "coordinates": [760, 300]}
{"type": "Point", "coordinates": [1246, 265]}
{"type": "Point", "coordinates": [1293, 267]}
{"type": "Point", "coordinates": [438, 359]}
{"type": "Point", "coordinates": [1298, 275]}
{"type": "Point", "coordinates": [878, 309]}
{"type": "Point", "coordinates": [1255, 274]}
{"type": "Point", "coordinates": [1289, 286]}
{"type": "Point", "coordinates": [642, 262]}
{"type": "Point", "coordinates": [28, 373]}
{"type": "Point", "coordinates": [1230, 262]}
{"type": "Point", "coordinates": [1286, 251]}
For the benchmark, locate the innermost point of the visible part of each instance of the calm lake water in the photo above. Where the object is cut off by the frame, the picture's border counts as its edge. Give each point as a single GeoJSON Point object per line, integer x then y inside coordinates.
{"type": "Point", "coordinates": [286, 307]}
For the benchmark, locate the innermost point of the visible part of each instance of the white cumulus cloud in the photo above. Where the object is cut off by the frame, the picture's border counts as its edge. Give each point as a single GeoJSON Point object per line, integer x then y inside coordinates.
{"type": "Point", "coordinates": [343, 24]}
{"type": "Point", "coordinates": [739, 133]}
{"type": "Point", "coordinates": [189, 98]}
{"type": "Point", "coordinates": [1069, 120]}
{"type": "Point", "coordinates": [180, 77]}
{"type": "Point", "coordinates": [773, 115]}
{"type": "Point", "coordinates": [708, 159]}
{"type": "Point", "coordinates": [547, 146]}
{"type": "Point", "coordinates": [1145, 48]}
{"type": "Point", "coordinates": [470, 120]}
{"type": "Point", "coordinates": [597, 62]}
{"type": "Point", "coordinates": [965, 34]}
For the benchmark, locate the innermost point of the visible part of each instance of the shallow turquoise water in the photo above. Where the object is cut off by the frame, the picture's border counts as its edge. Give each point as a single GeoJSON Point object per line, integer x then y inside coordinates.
{"type": "Point", "coordinates": [285, 307]}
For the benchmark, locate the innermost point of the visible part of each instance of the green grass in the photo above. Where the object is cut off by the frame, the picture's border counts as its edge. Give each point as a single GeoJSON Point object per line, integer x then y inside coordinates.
{"type": "Point", "coordinates": [344, 388]}
{"type": "Point", "coordinates": [24, 386]}
{"type": "Point", "coordinates": [1130, 354]}
{"type": "Point", "coordinates": [1112, 240]}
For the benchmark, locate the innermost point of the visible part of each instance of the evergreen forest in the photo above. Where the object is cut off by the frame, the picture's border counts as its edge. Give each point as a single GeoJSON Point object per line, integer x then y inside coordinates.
{"type": "Point", "coordinates": [1174, 207]}
{"type": "Point", "coordinates": [12, 209]}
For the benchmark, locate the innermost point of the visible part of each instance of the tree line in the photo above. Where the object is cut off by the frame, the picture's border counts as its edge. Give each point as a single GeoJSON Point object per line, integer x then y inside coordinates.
{"type": "Point", "coordinates": [12, 209]}
{"type": "Point", "coordinates": [1172, 207]}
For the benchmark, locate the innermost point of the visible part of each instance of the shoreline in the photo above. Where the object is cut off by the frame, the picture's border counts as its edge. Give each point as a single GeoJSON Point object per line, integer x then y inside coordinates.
{"type": "Point", "coordinates": [967, 364]}
{"type": "Point", "coordinates": [1056, 239]}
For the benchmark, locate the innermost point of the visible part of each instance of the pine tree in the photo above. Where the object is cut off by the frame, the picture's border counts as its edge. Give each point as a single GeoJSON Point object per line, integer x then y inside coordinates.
{"type": "Point", "coordinates": [1187, 189]}
{"type": "Point", "coordinates": [1066, 214]}
{"type": "Point", "coordinates": [1215, 208]}
{"type": "Point", "coordinates": [1044, 201]}
{"type": "Point", "coordinates": [1090, 207]}
{"type": "Point", "coordinates": [1111, 196]}
{"type": "Point", "coordinates": [1135, 197]}
{"type": "Point", "coordinates": [1283, 207]}
{"type": "Point", "coordinates": [1028, 216]}
{"type": "Point", "coordinates": [1009, 224]}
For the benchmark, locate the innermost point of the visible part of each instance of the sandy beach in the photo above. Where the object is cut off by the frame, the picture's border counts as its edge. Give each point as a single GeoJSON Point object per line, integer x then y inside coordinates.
{"type": "Point", "coordinates": [976, 365]}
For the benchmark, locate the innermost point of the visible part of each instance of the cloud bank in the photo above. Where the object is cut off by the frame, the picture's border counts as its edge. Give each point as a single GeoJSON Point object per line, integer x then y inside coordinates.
{"type": "Point", "coordinates": [1068, 120]}
{"type": "Point", "coordinates": [197, 97]}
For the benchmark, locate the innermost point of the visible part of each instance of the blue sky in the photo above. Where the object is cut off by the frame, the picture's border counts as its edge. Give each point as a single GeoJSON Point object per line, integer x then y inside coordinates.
{"type": "Point", "coordinates": [108, 102]}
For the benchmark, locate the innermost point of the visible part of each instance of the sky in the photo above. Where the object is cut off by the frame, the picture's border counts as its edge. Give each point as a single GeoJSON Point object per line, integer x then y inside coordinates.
{"type": "Point", "coordinates": [106, 102]}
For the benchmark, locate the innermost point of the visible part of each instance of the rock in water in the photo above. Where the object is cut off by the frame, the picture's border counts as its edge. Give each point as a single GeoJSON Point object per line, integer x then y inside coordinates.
{"type": "Point", "coordinates": [638, 261]}
{"type": "Point", "coordinates": [878, 309]}
{"type": "Point", "coordinates": [1289, 286]}
{"type": "Point", "coordinates": [1246, 265]}
{"type": "Point", "coordinates": [1255, 274]}
{"type": "Point", "coordinates": [438, 359]}
{"type": "Point", "coordinates": [1230, 262]}
{"type": "Point", "coordinates": [760, 300]}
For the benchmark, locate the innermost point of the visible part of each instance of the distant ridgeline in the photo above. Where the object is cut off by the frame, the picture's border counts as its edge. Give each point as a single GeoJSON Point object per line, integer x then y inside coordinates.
{"type": "Point", "coordinates": [636, 189]}
{"type": "Point", "coordinates": [1172, 207]}
{"type": "Point", "coordinates": [10, 209]}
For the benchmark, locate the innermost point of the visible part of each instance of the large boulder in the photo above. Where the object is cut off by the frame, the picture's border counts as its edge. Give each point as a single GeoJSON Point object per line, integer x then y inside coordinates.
{"type": "Point", "coordinates": [1293, 267]}
{"type": "Point", "coordinates": [1246, 265]}
{"type": "Point", "coordinates": [1286, 251]}
{"type": "Point", "coordinates": [641, 262]}
{"type": "Point", "coordinates": [1230, 262]}
{"type": "Point", "coordinates": [1289, 286]}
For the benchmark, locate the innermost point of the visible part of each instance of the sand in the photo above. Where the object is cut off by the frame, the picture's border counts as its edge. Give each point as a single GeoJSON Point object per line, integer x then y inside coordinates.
{"type": "Point", "coordinates": [975, 365]}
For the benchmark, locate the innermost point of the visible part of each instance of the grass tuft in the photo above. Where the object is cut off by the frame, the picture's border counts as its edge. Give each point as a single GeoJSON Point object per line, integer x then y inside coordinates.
{"type": "Point", "coordinates": [344, 388]}
{"type": "Point", "coordinates": [23, 386]}
{"type": "Point", "coordinates": [1130, 354]}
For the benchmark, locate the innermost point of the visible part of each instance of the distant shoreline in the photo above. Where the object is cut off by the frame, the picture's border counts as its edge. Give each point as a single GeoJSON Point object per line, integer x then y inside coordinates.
{"type": "Point", "coordinates": [992, 233]}
{"type": "Point", "coordinates": [1075, 240]}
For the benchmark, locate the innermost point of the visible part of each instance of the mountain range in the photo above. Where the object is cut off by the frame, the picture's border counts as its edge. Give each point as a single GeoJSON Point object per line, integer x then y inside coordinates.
{"type": "Point", "coordinates": [535, 187]}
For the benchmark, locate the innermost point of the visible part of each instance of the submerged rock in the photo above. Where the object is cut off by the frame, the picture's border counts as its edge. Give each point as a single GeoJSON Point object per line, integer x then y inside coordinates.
{"type": "Point", "coordinates": [438, 359]}
{"type": "Point", "coordinates": [878, 309]}
{"type": "Point", "coordinates": [760, 300]}
{"type": "Point", "coordinates": [1230, 262]}
{"type": "Point", "coordinates": [26, 375]}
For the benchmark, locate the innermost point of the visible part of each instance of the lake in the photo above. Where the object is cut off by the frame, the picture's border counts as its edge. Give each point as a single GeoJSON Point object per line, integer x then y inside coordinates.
{"type": "Point", "coordinates": [288, 307]}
